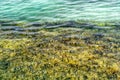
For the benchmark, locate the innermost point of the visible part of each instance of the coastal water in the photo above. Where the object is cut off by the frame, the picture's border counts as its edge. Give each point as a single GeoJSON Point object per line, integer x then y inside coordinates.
{"type": "Point", "coordinates": [50, 10]}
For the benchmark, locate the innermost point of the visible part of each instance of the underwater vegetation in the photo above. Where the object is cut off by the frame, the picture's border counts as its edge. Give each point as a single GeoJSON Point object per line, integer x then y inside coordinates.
{"type": "Point", "coordinates": [71, 50]}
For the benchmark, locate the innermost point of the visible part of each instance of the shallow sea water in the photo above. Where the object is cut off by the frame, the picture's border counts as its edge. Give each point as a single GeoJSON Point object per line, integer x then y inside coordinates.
{"type": "Point", "coordinates": [52, 10]}
{"type": "Point", "coordinates": [59, 39]}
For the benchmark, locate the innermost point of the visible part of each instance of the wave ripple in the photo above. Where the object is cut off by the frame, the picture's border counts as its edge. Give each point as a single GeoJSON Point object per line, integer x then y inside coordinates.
{"type": "Point", "coordinates": [34, 10]}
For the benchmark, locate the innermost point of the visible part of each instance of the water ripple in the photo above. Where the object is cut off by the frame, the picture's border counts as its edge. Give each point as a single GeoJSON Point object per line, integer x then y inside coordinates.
{"type": "Point", "coordinates": [34, 10]}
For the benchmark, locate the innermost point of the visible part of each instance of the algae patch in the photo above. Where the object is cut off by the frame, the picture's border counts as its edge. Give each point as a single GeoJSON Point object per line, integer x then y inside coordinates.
{"type": "Point", "coordinates": [62, 53]}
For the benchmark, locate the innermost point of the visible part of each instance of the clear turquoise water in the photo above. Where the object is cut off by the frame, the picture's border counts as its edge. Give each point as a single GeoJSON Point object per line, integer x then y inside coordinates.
{"type": "Point", "coordinates": [37, 10]}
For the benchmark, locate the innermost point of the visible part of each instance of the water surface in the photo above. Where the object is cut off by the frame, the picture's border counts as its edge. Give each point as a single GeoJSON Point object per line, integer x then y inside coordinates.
{"type": "Point", "coordinates": [45, 10]}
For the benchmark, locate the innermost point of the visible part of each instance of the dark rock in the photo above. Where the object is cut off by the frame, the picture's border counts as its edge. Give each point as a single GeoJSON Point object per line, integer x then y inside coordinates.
{"type": "Point", "coordinates": [36, 24]}
{"type": "Point", "coordinates": [63, 24]}
{"type": "Point", "coordinates": [4, 65]}
{"type": "Point", "coordinates": [9, 24]}
{"type": "Point", "coordinates": [5, 21]}
{"type": "Point", "coordinates": [98, 52]}
{"type": "Point", "coordinates": [18, 29]}
{"type": "Point", "coordinates": [72, 51]}
{"type": "Point", "coordinates": [70, 24]}
{"type": "Point", "coordinates": [52, 24]}
{"type": "Point", "coordinates": [32, 28]}
{"type": "Point", "coordinates": [6, 28]}
{"type": "Point", "coordinates": [86, 38]}
{"type": "Point", "coordinates": [98, 35]}
{"type": "Point", "coordinates": [116, 25]}
{"type": "Point", "coordinates": [87, 26]}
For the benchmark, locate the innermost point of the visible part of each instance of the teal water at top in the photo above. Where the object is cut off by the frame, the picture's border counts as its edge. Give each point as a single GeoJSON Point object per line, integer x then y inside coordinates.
{"type": "Point", "coordinates": [36, 10]}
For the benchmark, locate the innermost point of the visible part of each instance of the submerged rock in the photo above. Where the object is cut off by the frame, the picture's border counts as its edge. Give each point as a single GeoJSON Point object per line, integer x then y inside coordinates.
{"type": "Point", "coordinates": [7, 28]}
{"type": "Point", "coordinates": [98, 35]}
{"type": "Point", "coordinates": [116, 25]}
{"type": "Point", "coordinates": [32, 28]}
{"type": "Point", "coordinates": [36, 24]}
{"type": "Point", "coordinates": [66, 24]}
{"type": "Point", "coordinates": [5, 21]}
{"type": "Point", "coordinates": [87, 26]}
{"type": "Point", "coordinates": [52, 27]}
{"type": "Point", "coordinates": [70, 24]}
{"type": "Point", "coordinates": [16, 28]}
{"type": "Point", "coordinates": [76, 24]}
{"type": "Point", "coordinates": [102, 28]}
{"type": "Point", "coordinates": [9, 24]}
{"type": "Point", "coordinates": [61, 24]}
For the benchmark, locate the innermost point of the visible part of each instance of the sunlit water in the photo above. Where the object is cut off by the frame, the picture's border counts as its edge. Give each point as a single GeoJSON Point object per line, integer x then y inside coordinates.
{"type": "Point", "coordinates": [36, 10]}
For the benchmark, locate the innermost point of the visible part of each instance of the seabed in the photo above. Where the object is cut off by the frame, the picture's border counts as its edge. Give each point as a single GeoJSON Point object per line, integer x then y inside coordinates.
{"type": "Point", "coordinates": [68, 50]}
